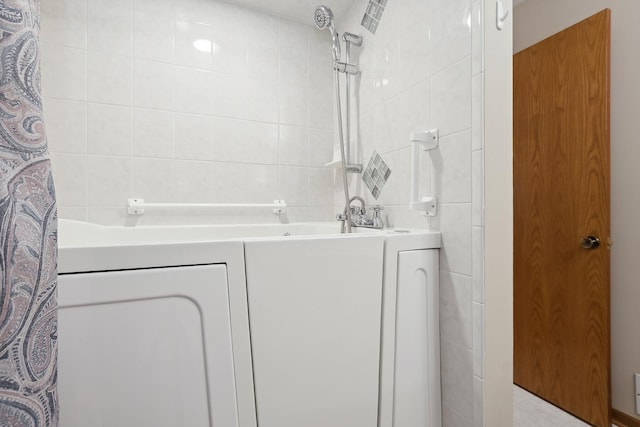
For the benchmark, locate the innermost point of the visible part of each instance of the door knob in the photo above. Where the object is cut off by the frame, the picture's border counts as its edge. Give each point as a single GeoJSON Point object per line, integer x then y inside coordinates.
{"type": "Point", "coordinates": [590, 242]}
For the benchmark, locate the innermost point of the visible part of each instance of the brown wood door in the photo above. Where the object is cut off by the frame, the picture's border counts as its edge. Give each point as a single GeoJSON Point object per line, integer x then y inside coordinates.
{"type": "Point", "coordinates": [561, 194]}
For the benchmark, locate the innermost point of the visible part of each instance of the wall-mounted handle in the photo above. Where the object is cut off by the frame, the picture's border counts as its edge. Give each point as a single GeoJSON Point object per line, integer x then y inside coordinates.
{"type": "Point", "coordinates": [428, 141]}
{"type": "Point", "coordinates": [138, 206]}
{"type": "Point", "coordinates": [501, 15]}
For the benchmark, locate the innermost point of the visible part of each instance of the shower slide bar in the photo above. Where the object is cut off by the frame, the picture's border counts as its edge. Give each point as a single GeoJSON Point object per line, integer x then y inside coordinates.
{"type": "Point", "coordinates": [138, 206]}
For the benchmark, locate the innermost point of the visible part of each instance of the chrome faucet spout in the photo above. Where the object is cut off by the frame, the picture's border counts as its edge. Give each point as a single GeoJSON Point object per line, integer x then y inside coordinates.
{"type": "Point", "coordinates": [359, 199]}
{"type": "Point", "coordinates": [359, 217]}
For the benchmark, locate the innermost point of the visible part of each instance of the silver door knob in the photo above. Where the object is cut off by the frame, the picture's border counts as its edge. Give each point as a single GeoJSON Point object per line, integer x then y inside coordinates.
{"type": "Point", "coordinates": [590, 242]}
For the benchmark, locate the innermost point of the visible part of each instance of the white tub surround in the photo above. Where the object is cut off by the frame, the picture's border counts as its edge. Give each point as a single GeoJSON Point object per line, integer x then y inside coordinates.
{"type": "Point", "coordinates": [321, 349]}
{"type": "Point", "coordinates": [183, 102]}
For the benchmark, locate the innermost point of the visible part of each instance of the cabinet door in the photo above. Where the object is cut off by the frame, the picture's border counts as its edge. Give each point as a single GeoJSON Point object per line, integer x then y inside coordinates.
{"type": "Point", "coordinates": [315, 307]}
{"type": "Point", "coordinates": [417, 400]}
{"type": "Point", "coordinates": [146, 348]}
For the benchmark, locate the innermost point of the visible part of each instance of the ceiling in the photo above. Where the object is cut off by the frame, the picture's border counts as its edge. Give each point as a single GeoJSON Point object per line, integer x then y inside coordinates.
{"type": "Point", "coordinates": [299, 10]}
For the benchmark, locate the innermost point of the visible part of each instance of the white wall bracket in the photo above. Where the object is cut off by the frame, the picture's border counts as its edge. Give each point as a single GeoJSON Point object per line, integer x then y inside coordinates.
{"type": "Point", "coordinates": [280, 207]}
{"type": "Point", "coordinates": [135, 206]}
{"type": "Point", "coordinates": [428, 205]}
{"type": "Point", "coordinates": [427, 140]}
{"type": "Point", "coordinates": [501, 15]}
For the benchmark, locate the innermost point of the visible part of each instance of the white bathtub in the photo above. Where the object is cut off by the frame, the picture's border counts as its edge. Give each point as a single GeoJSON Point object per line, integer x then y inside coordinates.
{"type": "Point", "coordinates": [282, 325]}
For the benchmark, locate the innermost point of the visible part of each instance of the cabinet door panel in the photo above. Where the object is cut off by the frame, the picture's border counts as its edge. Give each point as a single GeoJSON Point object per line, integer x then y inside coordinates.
{"type": "Point", "coordinates": [146, 348]}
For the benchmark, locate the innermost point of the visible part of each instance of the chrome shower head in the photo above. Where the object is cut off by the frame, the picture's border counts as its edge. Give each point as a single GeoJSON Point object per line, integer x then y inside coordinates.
{"type": "Point", "coordinates": [323, 18]}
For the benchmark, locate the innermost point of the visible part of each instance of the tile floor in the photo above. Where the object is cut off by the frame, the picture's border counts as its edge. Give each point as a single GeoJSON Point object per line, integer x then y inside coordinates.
{"type": "Point", "coordinates": [531, 411]}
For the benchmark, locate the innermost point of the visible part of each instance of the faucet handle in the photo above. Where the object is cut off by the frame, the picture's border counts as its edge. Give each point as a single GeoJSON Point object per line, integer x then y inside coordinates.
{"type": "Point", "coordinates": [358, 211]}
{"type": "Point", "coordinates": [377, 221]}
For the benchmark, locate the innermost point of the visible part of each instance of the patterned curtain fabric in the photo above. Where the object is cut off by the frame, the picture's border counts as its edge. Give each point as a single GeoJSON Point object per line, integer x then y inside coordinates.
{"type": "Point", "coordinates": [28, 229]}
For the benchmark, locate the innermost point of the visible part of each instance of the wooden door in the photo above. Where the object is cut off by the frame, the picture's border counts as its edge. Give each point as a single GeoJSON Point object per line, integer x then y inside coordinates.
{"type": "Point", "coordinates": [561, 195]}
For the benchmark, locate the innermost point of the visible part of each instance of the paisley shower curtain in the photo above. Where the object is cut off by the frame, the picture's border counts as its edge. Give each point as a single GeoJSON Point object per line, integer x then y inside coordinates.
{"type": "Point", "coordinates": [28, 233]}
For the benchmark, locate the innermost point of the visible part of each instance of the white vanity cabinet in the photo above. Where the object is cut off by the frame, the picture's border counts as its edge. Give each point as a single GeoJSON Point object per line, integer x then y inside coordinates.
{"type": "Point", "coordinates": [148, 347]}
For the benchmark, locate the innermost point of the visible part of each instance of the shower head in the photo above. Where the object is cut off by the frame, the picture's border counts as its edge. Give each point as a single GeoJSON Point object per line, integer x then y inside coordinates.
{"type": "Point", "coordinates": [323, 18]}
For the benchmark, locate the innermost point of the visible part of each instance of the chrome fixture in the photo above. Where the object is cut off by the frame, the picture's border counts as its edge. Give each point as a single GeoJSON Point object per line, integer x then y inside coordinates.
{"type": "Point", "coordinates": [346, 223]}
{"type": "Point", "coordinates": [359, 217]}
{"type": "Point", "coordinates": [352, 39]}
{"type": "Point", "coordinates": [349, 40]}
{"type": "Point", "coordinates": [590, 242]}
{"type": "Point", "coordinates": [323, 17]}
{"type": "Point", "coordinates": [355, 210]}
{"type": "Point", "coordinates": [347, 67]}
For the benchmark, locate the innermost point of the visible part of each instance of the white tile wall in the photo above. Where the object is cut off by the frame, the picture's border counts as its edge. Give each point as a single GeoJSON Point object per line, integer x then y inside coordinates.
{"type": "Point", "coordinates": [477, 242]}
{"type": "Point", "coordinates": [154, 177]}
{"type": "Point", "coordinates": [451, 31]}
{"type": "Point", "coordinates": [320, 147]}
{"type": "Point", "coordinates": [293, 147]}
{"type": "Point", "coordinates": [193, 137]}
{"type": "Point", "coordinates": [110, 26]}
{"type": "Point", "coordinates": [109, 178]}
{"type": "Point", "coordinates": [186, 35]}
{"type": "Point", "coordinates": [70, 191]}
{"type": "Point", "coordinates": [452, 163]}
{"type": "Point", "coordinates": [478, 402]}
{"type": "Point", "coordinates": [424, 69]}
{"type": "Point", "coordinates": [64, 22]}
{"type": "Point", "coordinates": [457, 384]}
{"type": "Point", "coordinates": [456, 309]}
{"type": "Point", "coordinates": [109, 78]}
{"type": "Point", "coordinates": [451, 98]}
{"type": "Point", "coordinates": [454, 222]}
{"type": "Point", "coordinates": [134, 109]}
{"type": "Point", "coordinates": [477, 217]}
{"type": "Point", "coordinates": [152, 85]}
{"type": "Point", "coordinates": [153, 30]}
{"type": "Point", "coordinates": [153, 133]}
{"type": "Point", "coordinates": [108, 130]}
{"type": "Point", "coordinates": [67, 123]}
{"type": "Point", "coordinates": [64, 72]}
{"type": "Point", "coordinates": [229, 96]}
{"type": "Point", "coordinates": [192, 91]}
